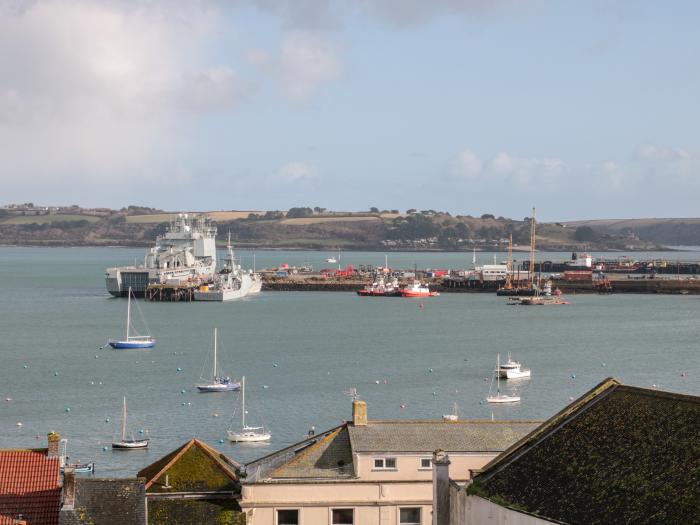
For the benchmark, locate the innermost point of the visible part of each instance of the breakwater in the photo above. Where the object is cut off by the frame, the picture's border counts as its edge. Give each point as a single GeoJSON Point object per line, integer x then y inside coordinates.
{"type": "Point", "coordinates": [621, 285]}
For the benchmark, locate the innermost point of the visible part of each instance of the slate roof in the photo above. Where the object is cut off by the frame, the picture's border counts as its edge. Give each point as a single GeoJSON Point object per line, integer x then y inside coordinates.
{"type": "Point", "coordinates": [193, 467]}
{"type": "Point", "coordinates": [99, 500]}
{"type": "Point", "coordinates": [618, 454]}
{"type": "Point", "coordinates": [293, 460]}
{"type": "Point", "coordinates": [329, 455]}
{"type": "Point", "coordinates": [427, 436]}
{"type": "Point", "coordinates": [29, 485]}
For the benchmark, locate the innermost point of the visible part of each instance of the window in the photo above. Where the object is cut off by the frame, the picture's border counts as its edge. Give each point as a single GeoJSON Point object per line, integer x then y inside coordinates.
{"type": "Point", "coordinates": [288, 517]}
{"type": "Point", "coordinates": [342, 516]}
{"type": "Point", "coordinates": [409, 516]}
{"type": "Point", "coordinates": [425, 464]}
{"type": "Point", "coordinates": [384, 463]}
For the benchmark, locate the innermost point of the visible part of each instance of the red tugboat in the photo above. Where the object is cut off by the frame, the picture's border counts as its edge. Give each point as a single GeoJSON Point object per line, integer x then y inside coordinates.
{"type": "Point", "coordinates": [417, 289]}
{"type": "Point", "coordinates": [380, 288]}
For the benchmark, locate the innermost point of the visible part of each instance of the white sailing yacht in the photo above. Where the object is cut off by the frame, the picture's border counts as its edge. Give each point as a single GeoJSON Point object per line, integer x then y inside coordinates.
{"type": "Point", "coordinates": [218, 382]}
{"type": "Point", "coordinates": [124, 443]}
{"type": "Point", "coordinates": [500, 398]}
{"type": "Point", "coordinates": [247, 434]}
{"type": "Point", "coordinates": [454, 416]}
{"type": "Point", "coordinates": [132, 341]}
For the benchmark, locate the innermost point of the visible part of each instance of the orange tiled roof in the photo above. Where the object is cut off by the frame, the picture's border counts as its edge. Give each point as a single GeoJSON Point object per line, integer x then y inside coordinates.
{"type": "Point", "coordinates": [29, 486]}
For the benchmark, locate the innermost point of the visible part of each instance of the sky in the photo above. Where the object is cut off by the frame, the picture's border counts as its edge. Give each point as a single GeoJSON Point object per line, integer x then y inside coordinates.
{"type": "Point", "coordinates": [582, 109]}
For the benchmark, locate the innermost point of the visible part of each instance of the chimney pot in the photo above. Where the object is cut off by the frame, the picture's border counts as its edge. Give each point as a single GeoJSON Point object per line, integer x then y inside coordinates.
{"type": "Point", "coordinates": [359, 413]}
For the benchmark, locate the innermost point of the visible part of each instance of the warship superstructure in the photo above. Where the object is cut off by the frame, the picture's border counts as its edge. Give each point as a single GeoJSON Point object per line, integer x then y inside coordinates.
{"type": "Point", "coordinates": [184, 254]}
{"type": "Point", "coordinates": [231, 282]}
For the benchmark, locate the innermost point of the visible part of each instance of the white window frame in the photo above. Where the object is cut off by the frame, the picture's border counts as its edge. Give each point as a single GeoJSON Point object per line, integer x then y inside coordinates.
{"type": "Point", "coordinates": [384, 460]}
{"type": "Point", "coordinates": [288, 508]}
{"type": "Point", "coordinates": [420, 463]}
{"type": "Point", "coordinates": [420, 511]}
{"type": "Point", "coordinates": [330, 514]}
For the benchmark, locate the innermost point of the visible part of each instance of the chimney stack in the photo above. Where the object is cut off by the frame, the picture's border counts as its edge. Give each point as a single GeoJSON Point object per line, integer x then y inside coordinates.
{"type": "Point", "coordinates": [68, 488]}
{"type": "Point", "coordinates": [359, 413]}
{"type": "Point", "coordinates": [441, 487]}
{"type": "Point", "coordinates": [54, 439]}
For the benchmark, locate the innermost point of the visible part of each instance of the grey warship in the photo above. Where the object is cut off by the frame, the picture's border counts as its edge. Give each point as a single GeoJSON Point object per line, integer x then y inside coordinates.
{"type": "Point", "coordinates": [184, 254]}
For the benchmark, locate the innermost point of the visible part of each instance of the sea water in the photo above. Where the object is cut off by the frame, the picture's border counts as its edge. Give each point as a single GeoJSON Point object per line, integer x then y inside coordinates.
{"type": "Point", "coordinates": [302, 353]}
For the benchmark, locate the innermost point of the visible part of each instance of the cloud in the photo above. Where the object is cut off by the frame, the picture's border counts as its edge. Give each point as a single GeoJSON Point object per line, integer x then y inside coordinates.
{"type": "Point", "coordinates": [327, 15]}
{"type": "Point", "coordinates": [466, 165]}
{"type": "Point", "coordinates": [408, 13]}
{"type": "Point", "coordinates": [656, 153]}
{"type": "Point", "coordinates": [505, 167]}
{"type": "Point", "coordinates": [215, 88]}
{"type": "Point", "coordinates": [295, 172]}
{"type": "Point", "coordinates": [90, 90]}
{"type": "Point", "coordinates": [307, 62]}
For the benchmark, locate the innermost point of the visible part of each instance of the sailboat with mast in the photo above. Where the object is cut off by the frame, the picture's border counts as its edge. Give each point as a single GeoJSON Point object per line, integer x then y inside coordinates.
{"type": "Point", "coordinates": [131, 340]}
{"type": "Point", "coordinates": [498, 397]}
{"type": "Point", "coordinates": [218, 382]}
{"type": "Point", "coordinates": [247, 434]}
{"type": "Point", "coordinates": [124, 443]}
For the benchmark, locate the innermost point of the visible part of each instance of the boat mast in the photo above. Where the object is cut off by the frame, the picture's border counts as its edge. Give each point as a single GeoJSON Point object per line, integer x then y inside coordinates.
{"type": "Point", "coordinates": [128, 314]}
{"type": "Point", "coordinates": [124, 419]}
{"type": "Point", "coordinates": [531, 273]}
{"type": "Point", "coordinates": [214, 375]}
{"type": "Point", "coordinates": [509, 268]}
{"type": "Point", "coordinates": [498, 374]}
{"type": "Point", "coordinates": [243, 402]}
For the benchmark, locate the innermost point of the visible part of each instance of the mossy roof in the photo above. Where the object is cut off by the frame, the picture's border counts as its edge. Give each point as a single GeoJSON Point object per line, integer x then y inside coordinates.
{"type": "Point", "coordinates": [193, 467]}
{"type": "Point", "coordinates": [618, 454]}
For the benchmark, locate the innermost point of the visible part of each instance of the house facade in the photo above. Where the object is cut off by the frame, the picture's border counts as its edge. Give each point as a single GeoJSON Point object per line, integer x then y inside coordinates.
{"type": "Point", "coordinates": [368, 472]}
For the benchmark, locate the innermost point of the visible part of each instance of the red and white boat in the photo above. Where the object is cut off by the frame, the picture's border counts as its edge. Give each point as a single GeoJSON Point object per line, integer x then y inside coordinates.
{"type": "Point", "coordinates": [417, 289]}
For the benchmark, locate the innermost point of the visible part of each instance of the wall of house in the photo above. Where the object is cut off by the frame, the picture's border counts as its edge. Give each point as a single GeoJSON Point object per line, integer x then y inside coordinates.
{"type": "Point", "coordinates": [474, 510]}
{"type": "Point", "coordinates": [408, 466]}
{"type": "Point", "coordinates": [374, 503]}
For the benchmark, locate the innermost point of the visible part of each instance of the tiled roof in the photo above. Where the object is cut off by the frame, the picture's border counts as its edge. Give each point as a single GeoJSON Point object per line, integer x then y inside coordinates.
{"type": "Point", "coordinates": [195, 466]}
{"type": "Point", "coordinates": [426, 436]}
{"type": "Point", "coordinates": [29, 485]}
{"type": "Point", "coordinates": [618, 454]}
{"type": "Point", "coordinates": [331, 457]}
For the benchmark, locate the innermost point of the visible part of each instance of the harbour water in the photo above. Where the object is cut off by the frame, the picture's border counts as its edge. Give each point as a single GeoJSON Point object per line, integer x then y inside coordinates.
{"type": "Point", "coordinates": [300, 352]}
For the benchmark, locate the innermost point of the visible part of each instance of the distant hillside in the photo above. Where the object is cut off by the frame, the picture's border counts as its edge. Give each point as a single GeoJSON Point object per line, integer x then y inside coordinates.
{"type": "Point", "coordinates": [672, 232]}
{"type": "Point", "coordinates": [318, 228]}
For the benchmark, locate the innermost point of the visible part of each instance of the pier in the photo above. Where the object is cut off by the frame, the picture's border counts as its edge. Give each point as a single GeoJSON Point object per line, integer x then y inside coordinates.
{"type": "Point", "coordinates": [170, 293]}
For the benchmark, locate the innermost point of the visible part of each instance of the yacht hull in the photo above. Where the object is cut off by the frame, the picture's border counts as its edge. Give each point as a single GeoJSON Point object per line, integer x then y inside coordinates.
{"type": "Point", "coordinates": [126, 345]}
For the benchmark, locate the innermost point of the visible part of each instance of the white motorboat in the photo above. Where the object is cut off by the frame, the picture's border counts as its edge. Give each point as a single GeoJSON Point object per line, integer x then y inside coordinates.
{"type": "Point", "coordinates": [232, 282]}
{"type": "Point", "coordinates": [512, 370]}
{"type": "Point", "coordinates": [499, 397]}
{"type": "Point", "coordinates": [218, 381]}
{"type": "Point", "coordinates": [247, 434]}
{"type": "Point", "coordinates": [124, 443]}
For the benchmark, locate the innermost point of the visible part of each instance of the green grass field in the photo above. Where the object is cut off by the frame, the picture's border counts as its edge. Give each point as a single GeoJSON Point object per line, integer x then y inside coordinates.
{"type": "Point", "coordinates": [44, 219]}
